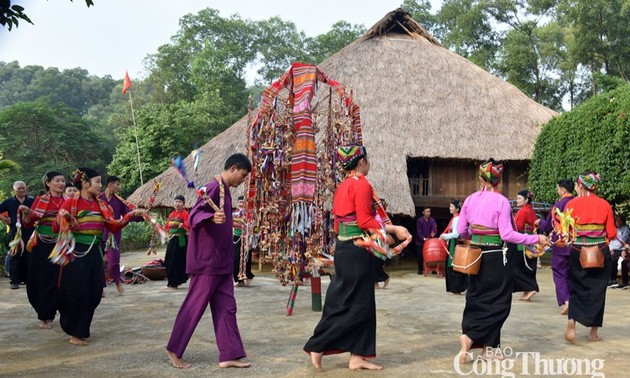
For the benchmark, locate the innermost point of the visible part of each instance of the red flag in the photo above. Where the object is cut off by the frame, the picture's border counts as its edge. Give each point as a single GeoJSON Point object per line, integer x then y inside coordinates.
{"type": "Point", "coordinates": [126, 83]}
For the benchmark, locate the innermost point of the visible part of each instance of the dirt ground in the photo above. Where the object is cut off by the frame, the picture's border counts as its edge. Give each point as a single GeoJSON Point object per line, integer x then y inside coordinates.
{"type": "Point", "coordinates": [417, 335]}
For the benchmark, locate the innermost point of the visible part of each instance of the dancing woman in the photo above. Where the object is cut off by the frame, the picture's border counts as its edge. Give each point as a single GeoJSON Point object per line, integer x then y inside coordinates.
{"type": "Point", "coordinates": [81, 282]}
{"type": "Point", "coordinates": [42, 282]}
{"type": "Point", "coordinates": [486, 219]}
{"type": "Point", "coordinates": [523, 267]}
{"type": "Point", "coordinates": [175, 258]}
{"type": "Point", "coordinates": [594, 224]}
{"type": "Point", "coordinates": [456, 282]}
{"type": "Point", "coordinates": [348, 322]}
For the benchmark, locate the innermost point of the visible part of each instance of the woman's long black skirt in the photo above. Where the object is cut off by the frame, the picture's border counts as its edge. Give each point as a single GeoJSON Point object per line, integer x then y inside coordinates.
{"type": "Point", "coordinates": [456, 282]}
{"type": "Point", "coordinates": [379, 270]}
{"type": "Point", "coordinates": [488, 300]}
{"type": "Point", "coordinates": [80, 291]}
{"type": "Point", "coordinates": [175, 261]}
{"type": "Point", "coordinates": [348, 322]}
{"type": "Point", "coordinates": [587, 288]}
{"type": "Point", "coordinates": [523, 270]}
{"type": "Point", "coordinates": [43, 276]}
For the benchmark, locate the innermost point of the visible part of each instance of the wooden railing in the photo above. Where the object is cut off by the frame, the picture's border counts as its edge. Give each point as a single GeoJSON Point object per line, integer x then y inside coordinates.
{"type": "Point", "coordinates": [419, 186]}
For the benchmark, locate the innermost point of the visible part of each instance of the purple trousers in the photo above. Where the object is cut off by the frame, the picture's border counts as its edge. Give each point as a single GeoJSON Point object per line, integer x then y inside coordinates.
{"type": "Point", "coordinates": [560, 269]}
{"type": "Point", "coordinates": [218, 291]}
{"type": "Point", "coordinates": [113, 264]}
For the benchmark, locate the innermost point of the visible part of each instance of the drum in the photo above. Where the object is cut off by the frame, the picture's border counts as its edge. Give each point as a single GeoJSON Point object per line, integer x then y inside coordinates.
{"type": "Point", "coordinates": [434, 251]}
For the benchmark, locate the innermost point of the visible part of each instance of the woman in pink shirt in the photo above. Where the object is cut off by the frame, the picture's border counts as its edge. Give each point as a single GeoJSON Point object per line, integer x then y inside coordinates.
{"type": "Point", "coordinates": [486, 219]}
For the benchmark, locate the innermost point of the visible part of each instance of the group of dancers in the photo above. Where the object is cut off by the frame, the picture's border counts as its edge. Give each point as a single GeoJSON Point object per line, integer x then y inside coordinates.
{"type": "Point", "coordinates": [485, 220]}
{"type": "Point", "coordinates": [348, 322]}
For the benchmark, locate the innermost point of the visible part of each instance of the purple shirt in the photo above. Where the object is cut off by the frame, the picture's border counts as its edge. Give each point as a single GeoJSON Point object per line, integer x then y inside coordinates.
{"type": "Point", "coordinates": [492, 210]}
{"type": "Point", "coordinates": [210, 246]}
{"type": "Point", "coordinates": [119, 210]}
{"type": "Point", "coordinates": [425, 227]}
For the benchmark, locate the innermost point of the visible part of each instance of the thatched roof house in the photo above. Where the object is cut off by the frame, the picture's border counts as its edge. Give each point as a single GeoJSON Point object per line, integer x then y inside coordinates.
{"type": "Point", "coordinates": [418, 100]}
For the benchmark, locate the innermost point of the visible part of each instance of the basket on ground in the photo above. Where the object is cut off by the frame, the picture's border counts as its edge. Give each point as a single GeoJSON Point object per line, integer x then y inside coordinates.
{"type": "Point", "coordinates": [154, 273]}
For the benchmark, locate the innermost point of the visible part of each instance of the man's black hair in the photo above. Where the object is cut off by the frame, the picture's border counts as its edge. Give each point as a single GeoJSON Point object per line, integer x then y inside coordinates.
{"type": "Point", "coordinates": [239, 161]}
{"type": "Point", "coordinates": [112, 179]}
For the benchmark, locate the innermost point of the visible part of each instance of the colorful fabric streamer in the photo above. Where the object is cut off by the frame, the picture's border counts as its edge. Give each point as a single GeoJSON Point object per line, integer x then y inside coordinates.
{"type": "Point", "coordinates": [178, 164]}
{"type": "Point", "coordinates": [17, 244]}
{"type": "Point", "coordinates": [564, 227]}
{"type": "Point", "coordinates": [196, 155]}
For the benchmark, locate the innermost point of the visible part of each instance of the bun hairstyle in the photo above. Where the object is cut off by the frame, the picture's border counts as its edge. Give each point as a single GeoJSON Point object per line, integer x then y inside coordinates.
{"type": "Point", "coordinates": [457, 204]}
{"type": "Point", "coordinates": [529, 196]}
{"type": "Point", "coordinates": [48, 176]}
{"type": "Point", "coordinates": [83, 174]}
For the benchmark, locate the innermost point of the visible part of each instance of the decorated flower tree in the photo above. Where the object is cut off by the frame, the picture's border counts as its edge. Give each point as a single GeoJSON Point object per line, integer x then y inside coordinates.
{"type": "Point", "coordinates": [291, 141]}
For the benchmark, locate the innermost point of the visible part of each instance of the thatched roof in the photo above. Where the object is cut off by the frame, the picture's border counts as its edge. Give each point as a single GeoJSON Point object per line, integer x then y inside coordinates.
{"type": "Point", "coordinates": [417, 99]}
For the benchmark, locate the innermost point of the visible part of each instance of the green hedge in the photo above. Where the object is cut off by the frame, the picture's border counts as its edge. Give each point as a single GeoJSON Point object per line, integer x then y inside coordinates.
{"type": "Point", "coordinates": [595, 135]}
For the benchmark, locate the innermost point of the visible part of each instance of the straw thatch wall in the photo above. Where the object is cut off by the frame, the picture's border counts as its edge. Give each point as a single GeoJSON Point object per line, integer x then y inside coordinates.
{"type": "Point", "coordinates": [417, 99]}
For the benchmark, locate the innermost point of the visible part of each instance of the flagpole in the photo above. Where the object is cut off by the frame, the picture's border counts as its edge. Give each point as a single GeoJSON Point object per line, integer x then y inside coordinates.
{"type": "Point", "coordinates": [135, 130]}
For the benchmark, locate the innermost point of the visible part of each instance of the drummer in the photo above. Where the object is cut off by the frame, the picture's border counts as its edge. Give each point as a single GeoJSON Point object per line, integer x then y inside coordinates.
{"type": "Point", "coordinates": [425, 228]}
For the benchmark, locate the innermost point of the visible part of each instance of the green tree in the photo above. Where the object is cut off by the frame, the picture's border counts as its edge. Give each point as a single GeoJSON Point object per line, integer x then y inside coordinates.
{"type": "Point", "coordinates": [595, 135]}
{"type": "Point", "coordinates": [11, 15]}
{"type": "Point", "coordinates": [42, 137]}
{"type": "Point", "coordinates": [530, 58]}
{"type": "Point", "coordinates": [340, 35]}
{"type": "Point", "coordinates": [74, 87]}
{"type": "Point", "coordinates": [602, 34]}
{"type": "Point", "coordinates": [421, 12]}
{"type": "Point", "coordinates": [164, 132]}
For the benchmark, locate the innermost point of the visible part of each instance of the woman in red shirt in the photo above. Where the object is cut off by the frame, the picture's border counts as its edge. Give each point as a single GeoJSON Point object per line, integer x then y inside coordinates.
{"type": "Point", "coordinates": [348, 323]}
{"type": "Point", "coordinates": [523, 267]}
{"type": "Point", "coordinates": [43, 276]}
{"type": "Point", "coordinates": [175, 257]}
{"type": "Point", "coordinates": [594, 225]}
{"type": "Point", "coordinates": [81, 281]}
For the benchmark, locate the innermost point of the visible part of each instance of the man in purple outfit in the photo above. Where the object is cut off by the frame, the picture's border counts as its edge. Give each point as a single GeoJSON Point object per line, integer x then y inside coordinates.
{"type": "Point", "coordinates": [210, 265]}
{"type": "Point", "coordinates": [425, 228]}
{"type": "Point", "coordinates": [559, 255]}
{"type": "Point", "coordinates": [120, 208]}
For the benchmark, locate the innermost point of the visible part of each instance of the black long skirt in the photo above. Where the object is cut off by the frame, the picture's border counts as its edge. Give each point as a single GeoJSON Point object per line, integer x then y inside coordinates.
{"type": "Point", "coordinates": [348, 322]}
{"type": "Point", "coordinates": [80, 291]}
{"type": "Point", "coordinates": [175, 261]}
{"type": "Point", "coordinates": [488, 300]}
{"type": "Point", "coordinates": [379, 269]}
{"type": "Point", "coordinates": [42, 286]}
{"type": "Point", "coordinates": [456, 282]}
{"type": "Point", "coordinates": [587, 289]}
{"type": "Point", "coordinates": [523, 270]}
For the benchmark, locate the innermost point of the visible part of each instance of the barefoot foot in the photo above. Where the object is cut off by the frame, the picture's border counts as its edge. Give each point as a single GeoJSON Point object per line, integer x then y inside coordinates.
{"type": "Point", "coordinates": [528, 296]}
{"type": "Point", "coordinates": [120, 289]}
{"type": "Point", "coordinates": [234, 364]}
{"type": "Point", "coordinates": [465, 343]}
{"type": "Point", "coordinates": [386, 283]}
{"type": "Point", "coordinates": [358, 362]}
{"type": "Point", "coordinates": [316, 360]}
{"type": "Point", "coordinates": [569, 334]}
{"type": "Point", "coordinates": [176, 361]}
{"type": "Point", "coordinates": [592, 336]}
{"type": "Point", "coordinates": [565, 308]}
{"type": "Point", "coordinates": [78, 341]}
{"type": "Point", "coordinates": [45, 324]}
